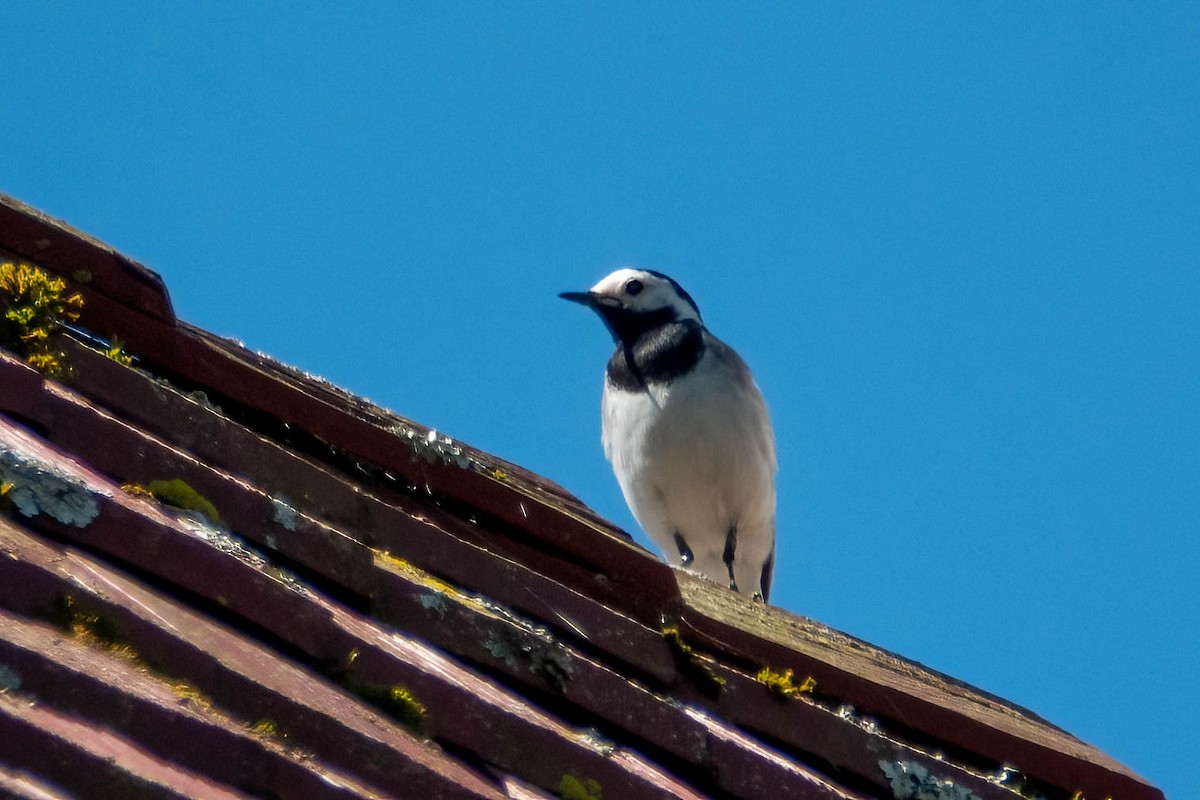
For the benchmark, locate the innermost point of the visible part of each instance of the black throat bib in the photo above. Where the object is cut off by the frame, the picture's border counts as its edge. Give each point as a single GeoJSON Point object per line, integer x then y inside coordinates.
{"type": "Point", "coordinates": [656, 353]}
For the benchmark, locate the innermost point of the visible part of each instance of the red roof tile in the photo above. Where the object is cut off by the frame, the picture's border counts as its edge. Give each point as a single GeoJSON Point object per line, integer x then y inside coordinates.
{"type": "Point", "coordinates": [383, 611]}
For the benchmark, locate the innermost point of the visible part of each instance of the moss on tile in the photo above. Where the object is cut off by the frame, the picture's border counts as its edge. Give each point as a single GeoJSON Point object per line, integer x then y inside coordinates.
{"type": "Point", "coordinates": [396, 701]}
{"type": "Point", "coordinates": [573, 787]}
{"type": "Point", "coordinates": [267, 728]}
{"type": "Point", "coordinates": [176, 493]}
{"type": "Point", "coordinates": [691, 663]}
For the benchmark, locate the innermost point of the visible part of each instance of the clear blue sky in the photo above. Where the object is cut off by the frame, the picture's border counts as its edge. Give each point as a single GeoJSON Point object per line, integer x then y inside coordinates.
{"type": "Point", "coordinates": [957, 245]}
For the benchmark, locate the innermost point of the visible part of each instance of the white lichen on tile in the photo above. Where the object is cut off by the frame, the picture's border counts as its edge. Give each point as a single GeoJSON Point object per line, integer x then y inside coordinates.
{"type": "Point", "coordinates": [596, 740]}
{"type": "Point", "coordinates": [432, 446]}
{"type": "Point", "coordinates": [220, 538]}
{"type": "Point", "coordinates": [41, 488]}
{"type": "Point", "coordinates": [913, 781]}
{"type": "Point", "coordinates": [234, 546]}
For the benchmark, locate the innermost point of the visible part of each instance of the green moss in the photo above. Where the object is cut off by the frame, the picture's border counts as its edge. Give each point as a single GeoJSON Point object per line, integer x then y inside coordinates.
{"type": "Point", "coordinates": [691, 663]}
{"type": "Point", "coordinates": [266, 727]}
{"type": "Point", "coordinates": [783, 683]}
{"type": "Point", "coordinates": [177, 494]}
{"type": "Point", "coordinates": [33, 307]}
{"type": "Point", "coordinates": [396, 701]}
{"type": "Point", "coordinates": [572, 787]}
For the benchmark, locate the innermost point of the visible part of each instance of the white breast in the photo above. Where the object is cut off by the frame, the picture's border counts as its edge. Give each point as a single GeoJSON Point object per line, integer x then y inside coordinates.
{"type": "Point", "coordinates": [697, 457]}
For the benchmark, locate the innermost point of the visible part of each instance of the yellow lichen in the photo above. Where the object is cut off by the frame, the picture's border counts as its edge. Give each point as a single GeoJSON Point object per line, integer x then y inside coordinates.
{"type": "Point", "coordinates": [783, 683]}
{"type": "Point", "coordinates": [190, 695]}
{"type": "Point", "coordinates": [103, 634]}
{"type": "Point", "coordinates": [405, 707]}
{"type": "Point", "coordinates": [116, 352]}
{"type": "Point", "coordinates": [96, 631]}
{"type": "Point", "coordinates": [91, 629]}
{"type": "Point", "coordinates": [407, 569]}
{"type": "Point", "coordinates": [35, 306]}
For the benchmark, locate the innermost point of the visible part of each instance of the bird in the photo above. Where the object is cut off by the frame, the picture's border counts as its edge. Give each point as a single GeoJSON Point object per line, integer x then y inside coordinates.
{"type": "Point", "coordinates": [687, 432]}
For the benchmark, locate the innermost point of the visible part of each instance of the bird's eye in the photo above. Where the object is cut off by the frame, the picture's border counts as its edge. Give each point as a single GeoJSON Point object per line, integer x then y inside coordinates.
{"type": "Point", "coordinates": [633, 287]}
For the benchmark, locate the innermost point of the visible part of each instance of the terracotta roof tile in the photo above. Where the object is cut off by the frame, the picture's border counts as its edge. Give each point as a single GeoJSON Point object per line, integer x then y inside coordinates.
{"type": "Point", "coordinates": [383, 611]}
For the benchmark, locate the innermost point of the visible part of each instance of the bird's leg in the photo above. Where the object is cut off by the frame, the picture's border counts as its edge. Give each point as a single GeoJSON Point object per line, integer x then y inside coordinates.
{"type": "Point", "coordinates": [765, 580]}
{"type": "Point", "coordinates": [685, 552]}
{"type": "Point", "coordinates": [730, 550]}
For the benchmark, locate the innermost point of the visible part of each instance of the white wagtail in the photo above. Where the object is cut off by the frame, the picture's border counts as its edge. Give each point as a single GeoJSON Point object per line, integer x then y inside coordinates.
{"type": "Point", "coordinates": [687, 432]}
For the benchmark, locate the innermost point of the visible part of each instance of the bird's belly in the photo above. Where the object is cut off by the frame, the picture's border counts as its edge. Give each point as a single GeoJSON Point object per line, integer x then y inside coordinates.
{"type": "Point", "coordinates": [688, 466]}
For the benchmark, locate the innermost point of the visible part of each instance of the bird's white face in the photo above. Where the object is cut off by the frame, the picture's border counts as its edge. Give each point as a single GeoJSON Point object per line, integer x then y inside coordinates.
{"type": "Point", "coordinates": [639, 290]}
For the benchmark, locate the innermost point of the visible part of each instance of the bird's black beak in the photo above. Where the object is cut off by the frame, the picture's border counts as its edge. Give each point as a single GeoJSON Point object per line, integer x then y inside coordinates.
{"type": "Point", "coordinates": [593, 300]}
{"type": "Point", "coordinates": [584, 298]}
{"type": "Point", "coordinates": [609, 308]}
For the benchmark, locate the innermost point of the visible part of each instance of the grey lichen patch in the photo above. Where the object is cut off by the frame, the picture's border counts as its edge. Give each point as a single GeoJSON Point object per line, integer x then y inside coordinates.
{"type": "Point", "coordinates": [913, 781]}
{"type": "Point", "coordinates": [432, 446]}
{"type": "Point", "coordinates": [10, 680]}
{"type": "Point", "coordinates": [533, 648]}
{"type": "Point", "coordinates": [283, 513]}
{"type": "Point", "coordinates": [35, 487]}
{"type": "Point", "coordinates": [432, 601]}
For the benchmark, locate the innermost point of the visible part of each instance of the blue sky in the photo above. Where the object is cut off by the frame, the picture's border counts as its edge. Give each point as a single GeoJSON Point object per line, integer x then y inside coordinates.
{"type": "Point", "coordinates": [956, 243]}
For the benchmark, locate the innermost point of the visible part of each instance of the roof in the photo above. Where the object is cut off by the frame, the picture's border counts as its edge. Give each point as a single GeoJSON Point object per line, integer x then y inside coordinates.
{"type": "Point", "coordinates": [223, 577]}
